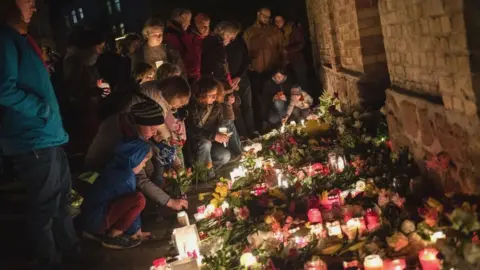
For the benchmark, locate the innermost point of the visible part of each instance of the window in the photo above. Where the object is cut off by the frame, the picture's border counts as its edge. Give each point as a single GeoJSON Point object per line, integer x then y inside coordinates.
{"type": "Point", "coordinates": [109, 7]}
{"type": "Point", "coordinates": [80, 13]}
{"type": "Point", "coordinates": [114, 29]}
{"type": "Point", "coordinates": [74, 17]}
{"type": "Point", "coordinates": [122, 29]}
{"type": "Point", "coordinates": [67, 21]}
{"type": "Point", "coordinates": [117, 5]}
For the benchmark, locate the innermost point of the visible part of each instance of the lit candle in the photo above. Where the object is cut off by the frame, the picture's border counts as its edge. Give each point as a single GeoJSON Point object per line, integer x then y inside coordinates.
{"type": "Point", "coordinates": [279, 179]}
{"type": "Point", "coordinates": [340, 164]}
{"type": "Point", "coordinates": [293, 123]}
{"type": "Point", "coordinates": [282, 129]}
{"type": "Point", "coordinates": [397, 264]}
{"type": "Point", "coordinates": [373, 262]}
{"type": "Point", "coordinates": [354, 226]}
{"type": "Point", "coordinates": [437, 235]}
{"type": "Point", "coordinates": [428, 259]}
{"type": "Point", "coordinates": [373, 220]}
{"type": "Point", "coordinates": [247, 259]}
{"type": "Point", "coordinates": [314, 216]}
{"type": "Point", "coordinates": [182, 218]}
{"type": "Point", "coordinates": [334, 229]}
{"type": "Point", "coordinates": [315, 264]}
{"type": "Point", "coordinates": [316, 229]}
{"type": "Point", "coordinates": [303, 123]}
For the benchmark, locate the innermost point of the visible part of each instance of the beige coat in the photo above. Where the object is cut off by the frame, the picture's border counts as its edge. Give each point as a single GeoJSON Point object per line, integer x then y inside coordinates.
{"type": "Point", "coordinates": [265, 46]}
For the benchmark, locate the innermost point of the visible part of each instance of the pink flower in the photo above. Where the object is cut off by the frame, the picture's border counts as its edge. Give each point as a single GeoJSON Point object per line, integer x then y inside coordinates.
{"type": "Point", "coordinates": [398, 201]}
{"type": "Point", "coordinates": [317, 167]}
{"type": "Point", "coordinates": [383, 198]}
{"type": "Point", "coordinates": [242, 213]}
{"type": "Point", "coordinates": [289, 220]}
{"type": "Point", "coordinates": [292, 141]}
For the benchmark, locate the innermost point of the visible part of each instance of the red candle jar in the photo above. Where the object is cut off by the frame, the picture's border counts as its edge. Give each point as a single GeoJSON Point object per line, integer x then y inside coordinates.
{"type": "Point", "coordinates": [373, 220]}
{"type": "Point", "coordinates": [428, 259]}
{"type": "Point", "coordinates": [397, 264]}
{"type": "Point", "coordinates": [314, 216]}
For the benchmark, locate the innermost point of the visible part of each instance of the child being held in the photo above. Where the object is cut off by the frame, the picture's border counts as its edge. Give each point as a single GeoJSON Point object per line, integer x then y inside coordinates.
{"type": "Point", "coordinates": [111, 210]}
{"type": "Point", "coordinates": [299, 106]}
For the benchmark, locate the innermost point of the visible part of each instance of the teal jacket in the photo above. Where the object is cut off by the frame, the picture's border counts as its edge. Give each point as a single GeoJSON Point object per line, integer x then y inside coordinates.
{"type": "Point", "coordinates": [29, 111]}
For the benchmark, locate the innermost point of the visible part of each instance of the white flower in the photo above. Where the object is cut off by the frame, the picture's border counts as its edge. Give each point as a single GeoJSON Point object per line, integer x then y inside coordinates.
{"type": "Point", "coordinates": [356, 115]}
{"type": "Point", "coordinates": [256, 147]}
{"type": "Point", "coordinates": [360, 186]}
{"type": "Point", "coordinates": [408, 227]}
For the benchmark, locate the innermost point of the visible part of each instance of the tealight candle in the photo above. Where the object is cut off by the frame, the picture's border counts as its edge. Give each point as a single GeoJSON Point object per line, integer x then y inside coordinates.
{"type": "Point", "coordinates": [354, 226]}
{"type": "Point", "coordinates": [437, 235]}
{"type": "Point", "coordinates": [247, 259]}
{"type": "Point", "coordinates": [373, 262]}
{"type": "Point", "coordinates": [182, 219]}
{"type": "Point", "coordinates": [303, 123]}
{"type": "Point", "coordinates": [293, 123]}
{"type": "Point", "coordinates": [314, 216]}
{"type": "Point", "coordinates": [428, 259]}
{"type": "Point", "coordinates": [334, 228]}
{"type": "Point", "coordinates": [315, 264]}
{"type": "Point", "coordinates": [397, 264]}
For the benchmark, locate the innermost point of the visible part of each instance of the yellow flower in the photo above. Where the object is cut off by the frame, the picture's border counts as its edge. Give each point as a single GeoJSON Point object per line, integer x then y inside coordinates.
{"type": "Point", "coordinates": [216, 196]}
{"type": "Point", "coordinates": [201, 196]}
{"type": "Point", "coordinates": [269, 220]}
{"type": "Point", "coordinates": [214, 202]}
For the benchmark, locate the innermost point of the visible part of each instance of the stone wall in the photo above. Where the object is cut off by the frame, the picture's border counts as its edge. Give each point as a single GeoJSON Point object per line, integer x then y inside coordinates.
{"type": "Point", "coordinates": [432, 51]}
{"type": "Point", "coordinates": [348, 48]}
{"type": "Point", "coordinates": [431, 105]}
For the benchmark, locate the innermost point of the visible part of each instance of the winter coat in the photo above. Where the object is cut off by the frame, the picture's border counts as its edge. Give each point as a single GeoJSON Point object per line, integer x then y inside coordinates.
{"type": "Point", "coordinates": [238, 60]}
{"type": "Point", "coordinates": [304, 103]}
{"type": "Point", "coordinates": [116, 180]}
{"type": "Point", "coordinates": [29, 112]}
{"type": "Point", "coordinates": [195, 63]}
{"type": "Point", "coordinates": [111, 132]}
{"type": "Point", "coordinates": [214, 59]}
{"type": "Point", "coordinates": [271, 88]}
{"type": "Point", "coordinates": [265, 46]}
{"type": "Point", "coordinates": [294, 42]}
{"type": "Point", "coordinates": [182, 42]}
{"type": "Point", "coordinates": [198, 131]}
{"type": "Point", "coordinates": [156, 55]}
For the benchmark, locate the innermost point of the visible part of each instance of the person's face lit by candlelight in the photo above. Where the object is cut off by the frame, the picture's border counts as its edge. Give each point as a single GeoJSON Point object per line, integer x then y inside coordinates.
{"type": "Point", "coordinates": [279, 22]}
{"type": "Point", "coordinates": [263, 16]}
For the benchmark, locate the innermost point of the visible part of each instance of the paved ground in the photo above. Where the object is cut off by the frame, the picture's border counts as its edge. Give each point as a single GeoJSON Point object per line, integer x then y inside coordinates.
{"type": "Point", "coordinates": [15, 248]}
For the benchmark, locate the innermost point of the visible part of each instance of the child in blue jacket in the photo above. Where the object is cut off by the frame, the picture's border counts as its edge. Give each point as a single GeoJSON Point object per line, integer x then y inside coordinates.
{"type": "Point", "coordinates": [111, 210]}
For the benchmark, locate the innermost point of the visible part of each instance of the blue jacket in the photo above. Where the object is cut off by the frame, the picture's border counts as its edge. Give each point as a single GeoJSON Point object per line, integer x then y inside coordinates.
{"type": "Point", "coordinates": [116, 180]}
{"type": "Point", "coordinates": [29, 111]}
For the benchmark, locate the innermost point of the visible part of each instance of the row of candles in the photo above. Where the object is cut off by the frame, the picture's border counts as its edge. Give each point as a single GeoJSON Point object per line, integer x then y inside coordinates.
{"type": "Point", "coordinates": [428, 260]}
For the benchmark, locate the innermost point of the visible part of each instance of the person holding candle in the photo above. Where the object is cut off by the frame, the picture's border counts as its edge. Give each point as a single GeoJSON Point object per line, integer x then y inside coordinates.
{"type": "Point", "coordinates": [111, 210]}
{"type": "Point", "coordinates": [299, 105]}
{"type": "Point", "coordinates": [275, 95]}
{"type": "Point", "coordinates": [203, 122]}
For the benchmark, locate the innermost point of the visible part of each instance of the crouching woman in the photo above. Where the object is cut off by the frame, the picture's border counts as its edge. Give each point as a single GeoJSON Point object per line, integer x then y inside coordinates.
{"type": "Point", "coordinates": [111, 210]}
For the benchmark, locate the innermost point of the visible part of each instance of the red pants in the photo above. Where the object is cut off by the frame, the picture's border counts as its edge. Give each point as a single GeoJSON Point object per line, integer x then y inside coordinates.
{"type": "Point", "coordinates": [123, 211]}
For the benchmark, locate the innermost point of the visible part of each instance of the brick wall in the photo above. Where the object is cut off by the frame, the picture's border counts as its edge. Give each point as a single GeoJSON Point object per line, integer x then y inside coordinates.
{"type": "Point", "coordinates": [348, 48]}
{"type": "Point", "coordinates": [423, 56]}
{"type": "Point", "coordinates": [432, 105]}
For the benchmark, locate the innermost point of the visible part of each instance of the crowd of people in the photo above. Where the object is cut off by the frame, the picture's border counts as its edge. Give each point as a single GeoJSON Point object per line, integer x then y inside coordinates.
{"type": "Point", "coordinates": [177, 95]}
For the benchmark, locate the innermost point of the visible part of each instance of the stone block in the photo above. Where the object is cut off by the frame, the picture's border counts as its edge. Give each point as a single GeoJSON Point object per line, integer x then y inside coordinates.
{"type": "Point", "coordinates": [446, 24]}
{"type": "Point", "coordinates": [423, 60]}
{"type": "Point", "coordinates": [452, 6]}
{"type": "Point", "coordinates": [427, 129]}
{"type": "Point", "coordinates": [431, 60]}
{"type": "Point", "coordinates": [433, 7]}
{"type": "Point", "coordinates": [440, 61]}
{"type": "Point", "coordinates": [446, 85]}
{"type": "Point", "coordinates": [452, 137]}
{"type": "Point", "coordinates": [470, 108]}
{"type": "Point", "coordinates": [447, 102]}
{"type": "Point", "coordinates": [458, 43]}
{"type": "Point", "coordinates": [435, 26]}
{"type": "Point", "coordinates": [463, 86]}
{"type": "Point", "coordinates": [424, 26]}
{"type": "Point", "coordinates": [458, 104]}
{"type": "Point", "coordinates": [368, 13]}
{"type": "Point", "coordinates": [463, 64]}
{"type": "Point", "coordinates": [409, 118]}
{"type": "Point", "coordinates": [458, 23]}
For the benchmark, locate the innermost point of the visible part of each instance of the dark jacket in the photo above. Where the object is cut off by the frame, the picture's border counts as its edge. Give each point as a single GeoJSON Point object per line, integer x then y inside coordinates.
{"type": "Point", "coordinates": [116, 180]}
{"type": "Point", "coordinates": [182, 42]}
{"type": "Point", "coordinates": [238, 60]}
{"type": "Point", "coordinates": [194, 64]}
{"type": "Point", "coordinates": [271, 88]}
{"type": "Point", "coordinates": [214, 59]}
{"type": "Point", "coordinates": [152, 55]}
{"type": "Point", "coordinates": [29, 111]}
{"type": "Point", "coordinates": [296, 43]}
{"type": "Point", "coordinates": [196, 130]}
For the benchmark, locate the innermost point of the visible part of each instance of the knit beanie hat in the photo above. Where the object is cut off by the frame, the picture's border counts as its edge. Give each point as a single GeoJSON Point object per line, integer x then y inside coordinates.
{"type": "Point", "coordinates": [147, 113]}
{"type": "Point", "coordinates": [296, 90]}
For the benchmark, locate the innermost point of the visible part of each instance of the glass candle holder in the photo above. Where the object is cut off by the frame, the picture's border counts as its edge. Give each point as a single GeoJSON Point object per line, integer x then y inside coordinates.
{"type": "Point", "coordinates": [373, 262]}
{"type": "Point", "coordinates": [428, 259]}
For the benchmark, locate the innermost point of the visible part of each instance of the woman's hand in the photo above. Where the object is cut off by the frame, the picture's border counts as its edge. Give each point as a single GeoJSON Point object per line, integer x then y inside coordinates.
{"type": "Point", "coordinates": [222, 138]}
{"type": "Point", "coordinates": [177, 204]}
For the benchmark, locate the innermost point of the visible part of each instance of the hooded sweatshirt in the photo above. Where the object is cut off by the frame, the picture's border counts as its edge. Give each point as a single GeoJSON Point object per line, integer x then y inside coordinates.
{"type": "Point", "coordinates": [29, 112]}
{"type": "Point", "coordinates": [116, 180]}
